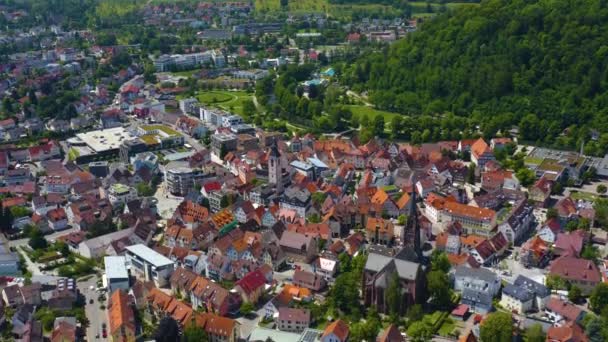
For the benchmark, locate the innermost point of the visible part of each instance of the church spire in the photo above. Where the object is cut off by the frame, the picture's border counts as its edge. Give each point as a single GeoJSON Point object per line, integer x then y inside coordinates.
{"type": "Point", "coordinates": [413, 226]}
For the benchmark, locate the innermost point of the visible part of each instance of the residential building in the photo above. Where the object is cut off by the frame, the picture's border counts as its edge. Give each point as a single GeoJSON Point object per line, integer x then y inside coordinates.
{"type": "Point", "coordinates": [478, 287]}
{"type": "Point", "coordinates": [562, 313]}
{"type": "Point", "coordinates": [337, 331]}
{"type": "Point", "coordinates": [580, 272]}
{"type": "Point", "coordinates": [180, 178]}
{"type": "Point", "coordinates": [149, 265]}
{"type": "Point", "coordinates": [380, 231]}
{"type": "Point", "coordinates": [120, 193]}
{"type": "Point", "coordinates": [481, 153]}
{"type": "Point", "coordinates": [222, 143]}
{"type": "Point", "coordinates": [478, 221]}
{"type": "Point", "coordinates": [298, 246]}
{"type": "Point", "coordinates": [293, 320]}
{"type": "Point", "coordinates": [211, 296]}
{"type": "Point", "coordinates": [524, 295]}
{"type": "Point", "coordinates": [121, 318]}
{"type": "Point", "coordinates": [296, 199]}
{"type": "Point", "coordinates": [96, 247]}
{"type": "Point", "coordinates": [390, 334]}
{"type": "Point", "coordinates": [516, 226]}
{"type": "Point", "coordinates": [251, 286]}
{"type": "Point", "coordinates": [309, 280]}
{"type": "Point", "coordinates": [568, 333]}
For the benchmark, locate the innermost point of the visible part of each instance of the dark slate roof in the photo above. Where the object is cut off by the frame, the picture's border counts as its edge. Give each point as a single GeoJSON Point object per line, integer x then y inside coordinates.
{"type": "Point", "coordinates": [520, 293]}
{"type": "Point", "coordinates": [476, 296]}
{"type": "Point", "coordinates": [538, 289]}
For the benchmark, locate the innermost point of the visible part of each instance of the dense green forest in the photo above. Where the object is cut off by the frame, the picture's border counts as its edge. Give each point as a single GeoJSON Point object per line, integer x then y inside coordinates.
{"type": "Point", "coordinates": [77, 14]}
{"type": "Point", "coordinates": [537, 64]}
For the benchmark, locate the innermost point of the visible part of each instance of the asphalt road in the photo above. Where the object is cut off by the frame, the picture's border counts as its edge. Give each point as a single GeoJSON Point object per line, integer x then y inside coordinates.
{"type": "Point", "coordinates": [50, 237]}
{"type": "Point", "coordinates": [95, 315]}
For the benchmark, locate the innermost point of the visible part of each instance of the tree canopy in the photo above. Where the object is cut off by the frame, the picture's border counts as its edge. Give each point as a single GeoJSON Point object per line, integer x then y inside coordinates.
{"type": "Point", "coordinates": [541, 65]}
{"type": "Point", "coordinates": [498, 326]}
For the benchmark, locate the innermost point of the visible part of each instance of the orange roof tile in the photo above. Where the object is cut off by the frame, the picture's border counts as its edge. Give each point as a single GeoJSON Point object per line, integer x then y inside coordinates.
{"type": "Point", "coordinates": [469, 211]}
{"type": "Point", "coordinates": [480, 147]}
{"type": "Point", "coordinates": [120, 313]}
{"type": "Point", "coordinates": [403, 201]}
{"type": "Point", "coordinates": [338, 328]}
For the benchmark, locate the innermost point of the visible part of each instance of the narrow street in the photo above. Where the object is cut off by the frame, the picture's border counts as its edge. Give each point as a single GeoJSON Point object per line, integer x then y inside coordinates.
{"type": "Point", "coordinates": [94, 313]}
{"type": "Point", "coordinates": [32, 266]}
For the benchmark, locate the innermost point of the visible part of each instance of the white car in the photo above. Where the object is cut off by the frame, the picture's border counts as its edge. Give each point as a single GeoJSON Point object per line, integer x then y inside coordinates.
{"type": "Point", "coordinates": [91, 287]}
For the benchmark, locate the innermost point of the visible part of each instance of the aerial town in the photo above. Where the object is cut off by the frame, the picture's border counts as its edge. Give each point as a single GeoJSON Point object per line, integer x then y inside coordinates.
{"type": "Point", "coordinates": [231, 171]}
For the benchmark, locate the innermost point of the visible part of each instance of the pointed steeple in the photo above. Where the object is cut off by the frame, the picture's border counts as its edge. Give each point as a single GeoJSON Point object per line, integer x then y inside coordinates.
{"type": "Point", "coordinates": [274, 149]}
{"type": "Point", "coordinates": [412, 222]}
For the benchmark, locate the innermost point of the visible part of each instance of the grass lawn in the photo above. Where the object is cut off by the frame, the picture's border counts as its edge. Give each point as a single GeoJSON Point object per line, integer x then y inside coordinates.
{"type": "Point", "coordinates": [214, 97]}
{"type": "Point", "coordinates": [371, 113]}
{"type": "Point", "coordinates": [447, 327]}
{"type": "Point", "coordinates": [581, 195]}
{"type": "Point", "coordinates": [227, 100]}
{"type": "Point", "coordinates": [166, 129]}
{"type": "Point", "coordinates": [533, 161]}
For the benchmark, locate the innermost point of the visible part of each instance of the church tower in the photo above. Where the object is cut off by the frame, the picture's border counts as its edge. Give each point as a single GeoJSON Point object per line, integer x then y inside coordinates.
{"type": "Point", "coordinates": [412, 227]}
{"type": "Point", "coordinates": [275, 172]}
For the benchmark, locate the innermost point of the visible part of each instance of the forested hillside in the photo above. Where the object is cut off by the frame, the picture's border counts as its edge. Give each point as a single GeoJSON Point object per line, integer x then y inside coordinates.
{"type": "Point", "coordinates": [540, 64]}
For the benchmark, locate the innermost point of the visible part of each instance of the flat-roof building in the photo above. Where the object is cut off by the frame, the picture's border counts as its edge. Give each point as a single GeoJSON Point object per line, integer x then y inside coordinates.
{"type": "Point", "coordinates": [180, 178]}
{"type": "Point", "coordinates": [117, 274]}
{"type": "Point", "coordinates": [149, 265]}
{"type": "Point", "coordinates": [222, 143]}
{"type": "Point", "coordinates": [105, 139]}
{"type": "Point", "coordinates": [87, 146]}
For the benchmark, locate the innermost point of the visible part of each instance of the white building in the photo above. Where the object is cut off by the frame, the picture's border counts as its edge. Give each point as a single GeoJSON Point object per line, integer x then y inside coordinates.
{"type": "Point", "coordinates": [120, 193]}
{"type": "Point", "coordinates": [479, 279]}
{"type": "Point", "coordinates": [117, 275]}
{"type": "Point", "coordinates": [96, 247]}
{"type": "Point", "coordinates": [149, 265]}
{"type": "Point", "coordinates": [524, 295]}
{"type": "Point", "coordinates": [231, 120]}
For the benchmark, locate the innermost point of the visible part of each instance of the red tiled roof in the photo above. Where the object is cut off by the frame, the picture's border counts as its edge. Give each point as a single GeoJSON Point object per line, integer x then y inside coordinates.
{"type": "Point", "coordinates": [120, 313]}
{"type": "Point", "coordinates": [252, 281]}
{"type": "Point", "coordinates": [469, 211]}
{"type": "Point", "coordinates": [569, 267]}
{"type": "Point", "coordinates": [13, 201]}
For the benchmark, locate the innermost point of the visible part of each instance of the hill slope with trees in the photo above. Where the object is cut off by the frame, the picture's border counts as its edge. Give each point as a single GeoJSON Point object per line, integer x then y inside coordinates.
{"type": "Point", "coordinates": [541, 65]}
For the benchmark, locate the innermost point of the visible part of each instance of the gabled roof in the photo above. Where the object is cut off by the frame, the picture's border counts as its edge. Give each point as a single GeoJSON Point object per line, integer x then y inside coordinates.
{"type": "Point", "coordinates": [403, 201]}
{"type": "Point", "coordinates": [390, 334]}
{"type": "Point", "coordinates": [569, 311]}
{"type": "Point", "coordinates": [339, 328]}
{"type": "Point", "coordinates": [120, 313]}
{"type": "Point", "coordinates": [480, 147]}
{"type": "Point", "coordinates": [252, 281]}
{"type": "Point", "coordinates": [571, 242]}
{"type": "Point", "coordinates": [569, 267]}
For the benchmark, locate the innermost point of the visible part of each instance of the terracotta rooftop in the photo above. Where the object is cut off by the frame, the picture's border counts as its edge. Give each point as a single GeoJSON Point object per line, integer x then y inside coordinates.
{"type": "Point", "coordinates": [456, 208]}
{"type": "Point", "coordinates": [338, 328]}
